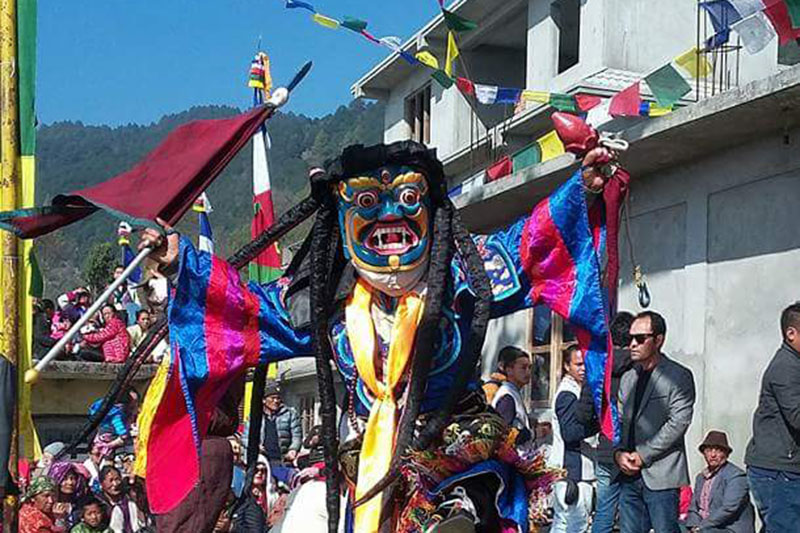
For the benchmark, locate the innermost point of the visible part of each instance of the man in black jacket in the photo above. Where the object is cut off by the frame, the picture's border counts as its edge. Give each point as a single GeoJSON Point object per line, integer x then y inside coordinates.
{"type": "Point", "coordinates": [606, 469]}
{"type": "Point", "coordinates": [773, 455]}
{"type": "Point", "coordinates": [42, 319]}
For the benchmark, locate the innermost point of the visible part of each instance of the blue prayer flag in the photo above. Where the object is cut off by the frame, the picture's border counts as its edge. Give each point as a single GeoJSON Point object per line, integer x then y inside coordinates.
{"type": "Point", "coordinates": [294, 4]}
{"type": "Point", "coordinates": [506, 95]}
{"type": "Point", "coordinates": [722, 14]}
{"type": "Point", "coordinates": [718, 39]}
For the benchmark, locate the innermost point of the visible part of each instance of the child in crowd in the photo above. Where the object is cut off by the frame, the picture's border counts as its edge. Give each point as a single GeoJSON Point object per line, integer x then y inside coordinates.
{"type": "Point", "coordinates": [93, 517]}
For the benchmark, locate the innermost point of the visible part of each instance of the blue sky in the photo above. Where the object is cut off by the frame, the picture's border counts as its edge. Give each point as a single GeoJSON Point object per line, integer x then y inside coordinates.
{"type": "Point", "coordinates": [121, 61]}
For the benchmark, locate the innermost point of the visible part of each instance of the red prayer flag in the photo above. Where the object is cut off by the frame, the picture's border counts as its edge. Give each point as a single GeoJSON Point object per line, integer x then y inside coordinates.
{"type": "Point", "coordinates": [502, 168]}
{"type": "Point", "coordinates": [164, 184]}
{"type": "Point", "coordinates": [587, 101]}
{"type": "Point", "coordinates": [370, 37]}
{"type": "Point", "coordinates": [465, 86]}
{"type": "Point", "coordinates": [626, 103]}
{"type": "Point", "coordinates": [778, 14]}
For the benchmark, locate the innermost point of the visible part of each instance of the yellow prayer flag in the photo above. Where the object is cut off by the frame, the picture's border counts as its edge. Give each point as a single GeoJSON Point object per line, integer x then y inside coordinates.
{"type": "Point", "coordinates": [536, 96]}
{"type": "Point", "coordinates": [428, 59]}
{"type": "Point", "coordinates": [656, 111]}
{"type": "Point", "coordinates": [694, 63]}
{"type": "Point", "coordinates": [452, 53]}
{"type": "Point", "coordinates": [267, 74]}
{"type": "Point", "coordinates": [328, 22]}
{"type": "Point", "coordinates": [550, 145]}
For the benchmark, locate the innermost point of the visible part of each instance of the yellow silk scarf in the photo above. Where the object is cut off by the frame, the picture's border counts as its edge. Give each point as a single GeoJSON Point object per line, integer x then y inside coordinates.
{"type": "Point", "coordinates": [378, 445]}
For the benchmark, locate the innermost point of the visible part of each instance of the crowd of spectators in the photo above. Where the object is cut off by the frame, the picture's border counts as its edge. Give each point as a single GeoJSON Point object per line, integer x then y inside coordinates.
{"type": "Point", "coordinates": [638, 484]}
{"type": "Point", "coordinates": [641, 483]}
{"type": "Point", "coordinates": [100, 494]}
{"type": "Point", "coordinates": [112, 334]}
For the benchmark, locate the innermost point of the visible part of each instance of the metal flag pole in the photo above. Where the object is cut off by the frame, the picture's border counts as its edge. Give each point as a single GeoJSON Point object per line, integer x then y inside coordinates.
{"type": "Point", "coordinates": [33, 373]}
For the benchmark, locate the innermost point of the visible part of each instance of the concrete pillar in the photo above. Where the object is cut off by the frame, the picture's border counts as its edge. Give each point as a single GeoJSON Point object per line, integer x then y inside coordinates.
{"type": "Point", "coordinates": [542, 61]}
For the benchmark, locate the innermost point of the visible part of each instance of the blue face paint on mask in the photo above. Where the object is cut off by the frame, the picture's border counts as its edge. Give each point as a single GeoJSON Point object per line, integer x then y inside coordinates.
{"type": "Point", "coordinates": [384, 217]}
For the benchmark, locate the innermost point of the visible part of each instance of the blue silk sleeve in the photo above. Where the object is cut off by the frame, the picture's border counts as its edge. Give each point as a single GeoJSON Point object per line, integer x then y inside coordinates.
{"type": "Point", "coordinates": [501, 260]}
{"type": "Point", "coordinates": [212, 310]}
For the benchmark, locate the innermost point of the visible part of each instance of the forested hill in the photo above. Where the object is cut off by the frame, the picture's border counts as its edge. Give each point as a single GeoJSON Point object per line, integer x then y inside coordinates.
{"type": "Point", "coordinates": [71, 155]}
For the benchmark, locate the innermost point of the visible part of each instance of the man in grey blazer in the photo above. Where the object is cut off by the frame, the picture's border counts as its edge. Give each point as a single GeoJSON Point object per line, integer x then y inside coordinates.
{"type": "Point", "coordinates": [721, 498]}
{"type": "Point", "coordinates": [657, 401]}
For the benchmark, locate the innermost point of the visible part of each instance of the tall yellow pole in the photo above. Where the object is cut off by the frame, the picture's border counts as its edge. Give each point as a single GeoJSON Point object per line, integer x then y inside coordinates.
{"type": "Point", "coordinates": [9, 199]}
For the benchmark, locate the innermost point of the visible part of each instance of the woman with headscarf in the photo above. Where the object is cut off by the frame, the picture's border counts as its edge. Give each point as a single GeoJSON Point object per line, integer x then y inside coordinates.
{"type": "Point", "coordinates": [71, 485]}
{"type": "Point", "coordinates": [36, 511]}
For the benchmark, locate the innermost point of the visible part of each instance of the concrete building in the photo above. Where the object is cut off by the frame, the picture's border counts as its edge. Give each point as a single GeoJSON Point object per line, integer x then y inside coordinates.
{"type": "Point", "coordinates": [60, 400]}
{"type": "Point", "coordinates": [716, 183]}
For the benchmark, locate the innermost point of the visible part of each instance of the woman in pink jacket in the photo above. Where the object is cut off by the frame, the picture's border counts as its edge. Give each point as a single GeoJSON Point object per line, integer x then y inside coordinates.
{"type": "Point", "coordinates": [110, 344]}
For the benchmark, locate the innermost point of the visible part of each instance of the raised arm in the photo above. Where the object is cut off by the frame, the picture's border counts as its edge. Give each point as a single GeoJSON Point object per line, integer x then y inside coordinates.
{"type": "Point", "coordinates": [504, 252]}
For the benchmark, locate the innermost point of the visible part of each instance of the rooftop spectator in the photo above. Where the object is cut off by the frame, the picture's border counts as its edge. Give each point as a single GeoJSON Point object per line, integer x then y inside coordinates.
{"type": "Point", "coordinates": [42, 328]}
{"type": "Point", "coordinates": [110, 344]}
{"type": "Point", "coordinates": [138, 331]}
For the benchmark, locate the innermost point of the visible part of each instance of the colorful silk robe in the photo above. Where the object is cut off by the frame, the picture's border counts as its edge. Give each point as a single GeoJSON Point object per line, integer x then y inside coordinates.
{"type": "Point", "coordinates": [219, 327]}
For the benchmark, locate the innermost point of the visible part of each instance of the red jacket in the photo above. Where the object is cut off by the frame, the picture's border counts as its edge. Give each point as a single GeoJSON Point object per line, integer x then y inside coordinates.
{"type": "Point", "coordinates": [114, 340]}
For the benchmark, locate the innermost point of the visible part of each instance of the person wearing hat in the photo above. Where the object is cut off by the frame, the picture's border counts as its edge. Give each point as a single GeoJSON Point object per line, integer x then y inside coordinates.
{"type": "Point", "coordinates": [281, 431]}
{"type": "Point", "coordinates": [721, 499]}
{"type": "Point", "coordinates": [36, 511]}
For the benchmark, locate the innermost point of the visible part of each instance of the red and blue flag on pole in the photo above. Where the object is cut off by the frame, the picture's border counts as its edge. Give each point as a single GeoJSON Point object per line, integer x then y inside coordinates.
{"type": "Point", "coordinates": [561, 248]}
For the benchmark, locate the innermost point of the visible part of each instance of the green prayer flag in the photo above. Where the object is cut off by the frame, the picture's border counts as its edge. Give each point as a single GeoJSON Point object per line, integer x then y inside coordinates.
{"type": "Point", "coordinates": [442, 78]}
{"type": "Point", "coordinates": [668, 85]}
{"type": "Point", "coordinates": [37, 281]}
{"type": "Point", "coordinates": [794, 12]}
{"type": "Point", "coordinates": [563, 102]}
{"type": "Point", "coordinates": [526, 157]}
{"type": "Point", "coordinates": [458, 23]}
{"type": "Point", "coordinates": [351, 23]}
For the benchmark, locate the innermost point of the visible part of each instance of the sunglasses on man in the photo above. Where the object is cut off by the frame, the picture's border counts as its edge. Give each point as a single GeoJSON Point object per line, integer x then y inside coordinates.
{"type": "Point", "coordinates": [640, 338]}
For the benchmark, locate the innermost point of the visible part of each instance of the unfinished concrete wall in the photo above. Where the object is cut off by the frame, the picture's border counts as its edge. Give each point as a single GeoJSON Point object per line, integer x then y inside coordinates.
{"type": "Point", "coordinates": [718, 241]}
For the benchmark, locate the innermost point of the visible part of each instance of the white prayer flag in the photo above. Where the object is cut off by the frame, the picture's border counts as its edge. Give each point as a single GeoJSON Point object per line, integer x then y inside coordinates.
{"type": "Point", "coordinates": [486, 94]}
{"type": "Point", "coordinates": [755, 31]}
{"type": "Point", "coordinates": [599, 114]}
{"type": "Point", "coordinates": [391, 42]}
